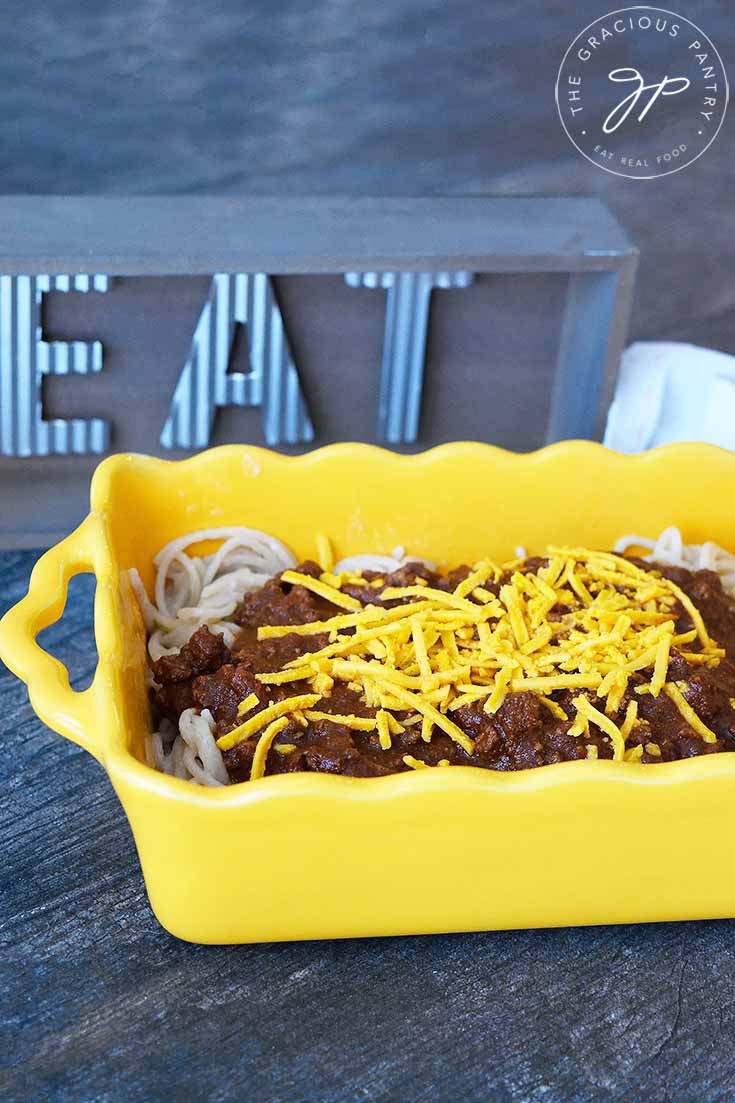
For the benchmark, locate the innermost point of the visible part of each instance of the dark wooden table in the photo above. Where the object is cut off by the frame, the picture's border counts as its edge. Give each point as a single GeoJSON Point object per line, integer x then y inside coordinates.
{"type": "Point", "coordinates": [99, 1003]}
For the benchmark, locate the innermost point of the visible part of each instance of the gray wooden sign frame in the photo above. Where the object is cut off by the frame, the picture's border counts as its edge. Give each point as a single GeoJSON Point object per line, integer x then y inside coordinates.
{"type": "Point", "coordinates": [374, 243]}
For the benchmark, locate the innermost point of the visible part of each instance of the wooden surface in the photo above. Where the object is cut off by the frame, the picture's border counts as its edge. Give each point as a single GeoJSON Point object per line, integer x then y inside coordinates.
{"type": "Point", "coordinates": [100, 1004]}
{"type": "Point", "coordinates": [199, 235]}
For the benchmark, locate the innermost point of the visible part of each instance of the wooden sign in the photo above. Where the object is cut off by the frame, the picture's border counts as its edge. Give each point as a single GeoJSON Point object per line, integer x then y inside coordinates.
{"type": "Point", "coordinates": [292, 323]}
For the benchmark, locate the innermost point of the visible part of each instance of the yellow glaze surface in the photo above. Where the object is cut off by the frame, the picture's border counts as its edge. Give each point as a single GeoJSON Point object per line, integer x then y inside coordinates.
{"type": "Point", "coordinates": [317, 856]}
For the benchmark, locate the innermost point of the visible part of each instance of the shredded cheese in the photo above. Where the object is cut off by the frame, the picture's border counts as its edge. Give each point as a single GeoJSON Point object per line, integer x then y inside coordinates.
{"type": "Point", "coordinates": [694, 614]}
{"type": "Point", "coordinates": [279, 677]}
{"type": "Point", "coordinates": [272, 712]}
{"type": "Point", "coordinates": [631, 714]}
{"type": "Point", "coordinates": [322, 589]}
{"type": "Point", "coordinates": [480, 574]}
{"type": "Point", "coordinates": [382, 720]}
{"type": "Point", "coordinates": [427, 592]}
{"type": "Point", "coordinates": [323, 684]}
{"type": "Point", "coordinates": [415, 763]}
{"type": "Point", "coordinates": [551, 706]}
{"type": "Point", "coordinates": [419, 647]}
{"type": "Point", "coordinates": [357, 723]}
{"type": "Point", "coordinates": [586, 621]}
{"type": "Point", "coordinates": [688, 713]}
{"type": "Point", "coordinates": [500, 689]}
{"type": "Point", "coordinates": [413, 701]}
{"type": "Point", "coordinates": [558, 681]}
{"type": "Point", "coordinates": [324, 552]}
{"type": "Point", "coordinates": [248, 704]}
{"type": "Point", "coordinates": [604, 723]}
{"type": "Point", "coordinates": [257, 768]}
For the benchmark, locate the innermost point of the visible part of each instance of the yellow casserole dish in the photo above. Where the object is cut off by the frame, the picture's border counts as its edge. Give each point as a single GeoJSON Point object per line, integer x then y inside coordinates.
{"type": "Point", "coordinates": [319, 856]}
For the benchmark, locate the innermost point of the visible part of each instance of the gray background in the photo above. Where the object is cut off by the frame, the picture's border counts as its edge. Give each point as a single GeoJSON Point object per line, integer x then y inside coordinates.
{"type": "Point", "coordinates": [412, 97]}
{"type": "Point", "coordinates": [329, 97]}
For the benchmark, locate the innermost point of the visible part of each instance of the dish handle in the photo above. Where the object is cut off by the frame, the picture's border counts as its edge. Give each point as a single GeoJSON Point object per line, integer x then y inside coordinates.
{"type": "Point", "coordinates": [72, 714]}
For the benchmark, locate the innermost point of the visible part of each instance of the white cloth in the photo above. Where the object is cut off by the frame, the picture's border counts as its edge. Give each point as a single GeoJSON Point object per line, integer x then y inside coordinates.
{"type": "Point", "coordinates": [668, 391]}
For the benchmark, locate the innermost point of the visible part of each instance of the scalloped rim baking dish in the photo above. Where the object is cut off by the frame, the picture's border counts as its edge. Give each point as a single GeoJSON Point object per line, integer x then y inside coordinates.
{"type": "Point", "coordinates": [316, 856]}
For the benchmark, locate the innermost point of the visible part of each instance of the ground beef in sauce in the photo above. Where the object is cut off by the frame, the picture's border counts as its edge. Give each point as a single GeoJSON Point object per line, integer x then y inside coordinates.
{"type": "Point", "coordinates": [522, 734]}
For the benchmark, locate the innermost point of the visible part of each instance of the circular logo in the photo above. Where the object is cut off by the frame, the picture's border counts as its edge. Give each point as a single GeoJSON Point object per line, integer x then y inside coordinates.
{"type": "Point", "coordinates": [642, 92]}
